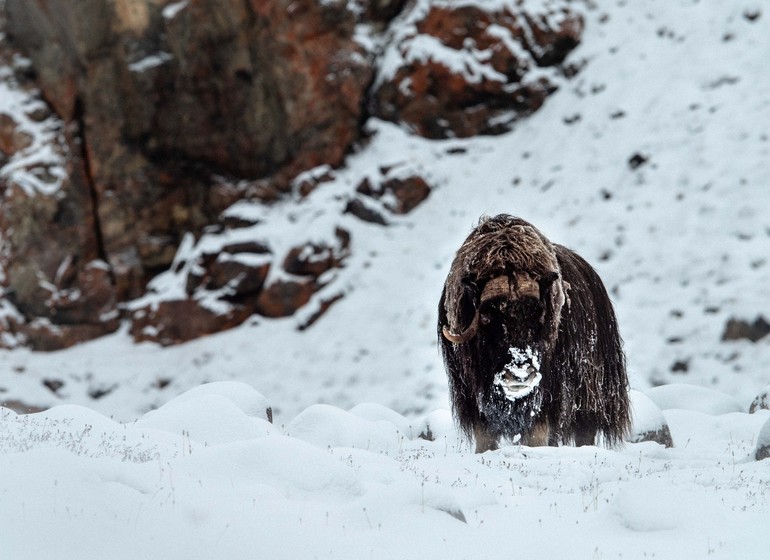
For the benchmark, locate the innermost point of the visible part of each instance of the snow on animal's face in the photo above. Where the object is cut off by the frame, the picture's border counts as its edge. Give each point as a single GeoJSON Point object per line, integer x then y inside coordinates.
{"type": "Point", "coordinates": [510, 336]}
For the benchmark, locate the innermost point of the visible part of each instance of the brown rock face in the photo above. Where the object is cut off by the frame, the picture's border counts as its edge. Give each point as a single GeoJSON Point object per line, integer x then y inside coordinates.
{"type": "Point", "coordinates": [53, 269]}
{"type": "Point", "coordinates": [157, 98]}
{"type": "Point", "coordinates": [153, 119]}
{"type": "Point", "coordinates": [12, 140]}
{"type": "Point", "coordinates": [472, 82]}
{"type": "Point", "coordinates": [165, 96]}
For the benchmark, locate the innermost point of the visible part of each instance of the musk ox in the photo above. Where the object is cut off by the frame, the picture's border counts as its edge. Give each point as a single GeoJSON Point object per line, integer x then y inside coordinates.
{"type": "Point", "coordinates": [530, 342]}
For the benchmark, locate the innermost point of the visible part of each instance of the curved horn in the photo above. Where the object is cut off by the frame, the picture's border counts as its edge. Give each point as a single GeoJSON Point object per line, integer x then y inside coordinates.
{"type": "Point", "coordinates": [499, 286]}
{"type": "Point", "coordinates": [496, 287]}
{"type": "Point", "coordinates": [464, 336]}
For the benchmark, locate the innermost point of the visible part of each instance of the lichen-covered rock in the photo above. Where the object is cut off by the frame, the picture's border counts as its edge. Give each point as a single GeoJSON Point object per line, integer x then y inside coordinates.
{"type": "Point", "coordinates": [462, 70]}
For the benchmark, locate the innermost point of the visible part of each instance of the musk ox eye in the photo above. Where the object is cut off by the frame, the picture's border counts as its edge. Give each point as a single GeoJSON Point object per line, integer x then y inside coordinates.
{"type": "Point", "coordinates": [485, 319]}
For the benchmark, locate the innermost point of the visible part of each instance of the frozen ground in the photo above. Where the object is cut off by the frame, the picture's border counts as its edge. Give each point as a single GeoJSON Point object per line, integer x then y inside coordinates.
{"type": "Point", "coordinates": [681, 240]}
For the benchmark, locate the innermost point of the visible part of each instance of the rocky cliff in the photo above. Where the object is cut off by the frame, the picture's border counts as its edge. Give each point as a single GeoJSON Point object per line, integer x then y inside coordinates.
{"type": "Point", "coordinates": [145, 139]}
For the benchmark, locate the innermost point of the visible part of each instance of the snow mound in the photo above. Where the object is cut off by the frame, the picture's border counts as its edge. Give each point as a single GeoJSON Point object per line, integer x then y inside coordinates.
{"type": "Point", "coordinates": [208, 419]}
{"type": "Point", "coordinates": [692, 397]}
{"type": "Point", "coordinates": [672, 507]}
{"type": "Point", "coordinates": [244, 396]}
{"type": "Point", "coordinates": [328, 426]}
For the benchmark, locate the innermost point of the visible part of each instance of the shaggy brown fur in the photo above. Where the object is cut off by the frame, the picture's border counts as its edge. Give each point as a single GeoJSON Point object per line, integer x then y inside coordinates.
{"type": "Point", "coordinates": [567, 325]}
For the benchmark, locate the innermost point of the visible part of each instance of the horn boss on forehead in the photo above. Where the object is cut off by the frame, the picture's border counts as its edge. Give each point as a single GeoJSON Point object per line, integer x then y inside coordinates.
{"type": "Point", "coordinates": [530, 341]}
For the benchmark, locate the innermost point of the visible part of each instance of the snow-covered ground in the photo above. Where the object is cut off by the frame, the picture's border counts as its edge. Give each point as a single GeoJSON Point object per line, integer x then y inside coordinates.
{"type": "Point", "coordinates": [682, 241]}
{"type": "Point", "coordinates": [206, 476]}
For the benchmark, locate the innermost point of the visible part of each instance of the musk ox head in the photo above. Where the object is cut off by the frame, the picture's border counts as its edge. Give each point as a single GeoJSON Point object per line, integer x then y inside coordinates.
{"type": "Point", "coordinates": [500, 318]}
{"type": "Point", "coordinates": [505, 275]}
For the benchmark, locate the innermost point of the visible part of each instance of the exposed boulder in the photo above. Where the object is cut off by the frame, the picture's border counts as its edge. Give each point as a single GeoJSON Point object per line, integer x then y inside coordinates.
{"type": "Point", "coordinates": [761, 402]}
{"type": "Point", "coordinates": [313, 258]}
{"type": "Point", "coordinates": [237, 269]}
{"type": "Point", "coordinates": [174, 321]}
{"type": "Point", "coordinates": [283, 297]}
{"type": "Point", "coordinates": [738, 329]}
{"type": "Point", "coordinates": [396, 189]}
{"type": "Point", "coordinates": [763, 443]}
{"type": "Point", "coordinates": [400, 195]}
{"type": "Point", "coordinates": [462, 70]}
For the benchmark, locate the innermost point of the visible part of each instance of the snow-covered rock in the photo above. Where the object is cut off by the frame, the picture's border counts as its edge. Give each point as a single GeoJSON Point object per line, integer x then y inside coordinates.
{"type": "Point", "coordinates": [763, 442]}
{"type": "Point", "coordinates": [761, 401]}
{"type": "Point", "coordinates": [647, 421]}
{"type": "Point", "coordinates": [244, 396]}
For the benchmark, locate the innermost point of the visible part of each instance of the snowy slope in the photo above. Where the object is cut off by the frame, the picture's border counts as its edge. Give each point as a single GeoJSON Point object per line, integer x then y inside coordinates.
{"type": "Point", "coordinates": [682, 241]}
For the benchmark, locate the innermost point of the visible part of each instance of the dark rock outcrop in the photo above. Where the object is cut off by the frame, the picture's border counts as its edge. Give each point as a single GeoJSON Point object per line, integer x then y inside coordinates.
{"type": "Point", "coordinates": [761, 401]}
{"type": "Point", "coordinates": [154, 117]}
{"type": "Point", "coordinates": [166, 95]}
{"type": "Point", "coordinates": [738, 329]}
{"type": "Point", "coordinates": [471, 81]}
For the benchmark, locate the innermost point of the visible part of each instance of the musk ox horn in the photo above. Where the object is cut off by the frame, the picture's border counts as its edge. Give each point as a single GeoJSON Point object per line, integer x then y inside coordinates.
{"type": "Point", "coordinates": [499, 286]}
{"type": "Point", "coordinates": [464, 336]}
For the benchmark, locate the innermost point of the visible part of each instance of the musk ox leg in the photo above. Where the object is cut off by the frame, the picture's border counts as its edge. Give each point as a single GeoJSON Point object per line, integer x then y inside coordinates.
{"type": "Point", "coordinates": [585, 431]}
{"type": "Point", "coordinates": [484, 440]}
{"type": "Point", "coordinates": [539, 435]}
